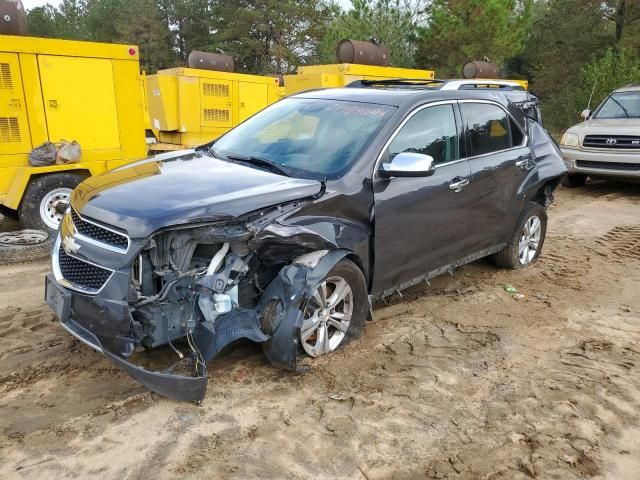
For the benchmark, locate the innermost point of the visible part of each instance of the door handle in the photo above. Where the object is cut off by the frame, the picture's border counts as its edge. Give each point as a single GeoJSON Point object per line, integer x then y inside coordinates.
{"type": "Point", "coordinates": [458, 184]}
{"type": "Point", "coordinates": [523, 162]}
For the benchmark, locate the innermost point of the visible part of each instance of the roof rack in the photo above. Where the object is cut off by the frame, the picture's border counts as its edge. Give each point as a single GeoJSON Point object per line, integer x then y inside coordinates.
{"type": "Point", "coordinates": [450, 84]}
{"type": "Point", "coordinates": [633, 84]}
{"type": "Point", "coordinates": [395, 81]}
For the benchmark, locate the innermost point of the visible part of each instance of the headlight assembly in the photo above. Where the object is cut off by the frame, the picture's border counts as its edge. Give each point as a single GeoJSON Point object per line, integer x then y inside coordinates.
{"type": "Point", "coordinates": [570, 140]}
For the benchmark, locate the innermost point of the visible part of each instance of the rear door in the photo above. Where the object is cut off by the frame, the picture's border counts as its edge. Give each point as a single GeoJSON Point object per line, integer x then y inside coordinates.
{"type": "Point", "coordinates": [500, 161]}
{"type": "Point", "coordinates": [421, 223]}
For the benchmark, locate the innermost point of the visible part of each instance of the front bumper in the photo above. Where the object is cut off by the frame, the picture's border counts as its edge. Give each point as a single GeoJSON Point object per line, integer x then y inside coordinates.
{"type": "Point", "coordinates": [82, 315]}
{"type": "Point", "coordinates": [602, 163]}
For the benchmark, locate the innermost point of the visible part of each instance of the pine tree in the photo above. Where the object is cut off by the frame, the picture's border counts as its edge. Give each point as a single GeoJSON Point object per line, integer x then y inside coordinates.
{"type": "Point", "coordinates": [464, 30]}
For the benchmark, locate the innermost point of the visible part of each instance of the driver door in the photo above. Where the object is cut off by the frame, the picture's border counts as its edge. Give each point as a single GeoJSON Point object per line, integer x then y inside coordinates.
{"type": "Point", "coordinates": [420, 222]}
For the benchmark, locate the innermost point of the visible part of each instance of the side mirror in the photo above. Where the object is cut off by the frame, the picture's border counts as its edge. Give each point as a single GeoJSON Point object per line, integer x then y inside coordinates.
{"type": "Point", "coordinates": [408, 164]}
{"type": "Point", "coordinates": [585, 114]}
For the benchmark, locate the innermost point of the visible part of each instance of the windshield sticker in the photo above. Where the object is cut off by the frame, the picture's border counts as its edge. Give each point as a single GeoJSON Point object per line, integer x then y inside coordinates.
{"type": "Point", "coordinates": [363, 110]}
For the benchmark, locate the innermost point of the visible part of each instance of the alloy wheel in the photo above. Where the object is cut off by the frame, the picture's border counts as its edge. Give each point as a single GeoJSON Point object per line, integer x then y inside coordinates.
{"type": "Point", "coordinates": [327, 317]}
{"type": "Point", "coordinates": [529, 240]}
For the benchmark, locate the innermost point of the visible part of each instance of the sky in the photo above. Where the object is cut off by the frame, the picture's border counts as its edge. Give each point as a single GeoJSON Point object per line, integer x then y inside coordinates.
{"type": "Point", "coordinates": [29, 4]}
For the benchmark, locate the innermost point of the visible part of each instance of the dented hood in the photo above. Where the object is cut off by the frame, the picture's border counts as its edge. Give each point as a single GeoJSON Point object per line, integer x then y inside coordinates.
{"type": "Point", "coordinates": [182, 188]}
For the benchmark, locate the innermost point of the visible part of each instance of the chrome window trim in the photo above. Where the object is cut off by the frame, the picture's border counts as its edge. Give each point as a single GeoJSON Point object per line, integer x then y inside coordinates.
{"type": "Point", "coordinates": [411, 114]}
{"type": "Point", "coordinates": [98, 243]}
{"type": "Point", "coordinates": [525, 137]}
{"type": "Point", "coordinates": [55, 266]}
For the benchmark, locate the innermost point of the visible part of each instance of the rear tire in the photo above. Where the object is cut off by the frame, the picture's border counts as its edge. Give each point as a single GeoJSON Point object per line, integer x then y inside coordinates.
{"type": "Point", "coordinates": [530, 230]}
{"type": "Point", "coordinates": [45, 200]}
{"type": "Point", "coordinates": [574, 180]}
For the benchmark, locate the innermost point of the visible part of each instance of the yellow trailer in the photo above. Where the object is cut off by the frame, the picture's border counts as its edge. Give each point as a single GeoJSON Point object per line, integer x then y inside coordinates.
{"type": "Point", "coordinates": [189, 107]}
{"type": "Point", "coordinates": [53, 90]}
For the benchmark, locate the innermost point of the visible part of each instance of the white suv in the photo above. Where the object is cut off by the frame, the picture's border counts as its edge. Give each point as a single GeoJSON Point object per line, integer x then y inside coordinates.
{"type": "Point", "coordinates": [607, 143]}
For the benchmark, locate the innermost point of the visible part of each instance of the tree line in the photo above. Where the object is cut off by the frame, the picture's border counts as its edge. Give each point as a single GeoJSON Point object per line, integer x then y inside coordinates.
{"type": "Point", "coordinates": [569, 50]}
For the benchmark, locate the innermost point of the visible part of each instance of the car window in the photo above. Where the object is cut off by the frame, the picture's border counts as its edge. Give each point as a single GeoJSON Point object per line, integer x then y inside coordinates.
{"type": "Point", "coordinates": [517, 137]}
{"type": "Point", "coordinates": [431, 131]}
{"type": "Point", "coordinates": [620, 105]}
{"type": "Point", "coordinates": [310, 138]}
{"type": "Point", "coordinates": [488, 128]}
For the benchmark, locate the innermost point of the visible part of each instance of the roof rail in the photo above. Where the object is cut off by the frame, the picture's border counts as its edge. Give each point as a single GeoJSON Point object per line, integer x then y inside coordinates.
{"type": "Point", "coordinates": [449, 84]}
{"type": "Point", "coordinates": [395, 81]}
{"type": "Point", "coordinates": [633, 84]}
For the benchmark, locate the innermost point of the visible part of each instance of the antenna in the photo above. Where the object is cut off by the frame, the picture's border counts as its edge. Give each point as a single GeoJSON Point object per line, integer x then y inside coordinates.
{"type": "Point", "coordinates": [591, 96]}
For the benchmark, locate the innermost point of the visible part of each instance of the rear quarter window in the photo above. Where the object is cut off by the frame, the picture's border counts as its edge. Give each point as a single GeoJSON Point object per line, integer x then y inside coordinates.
{"type": "Point", "coordinates": [489, 129]}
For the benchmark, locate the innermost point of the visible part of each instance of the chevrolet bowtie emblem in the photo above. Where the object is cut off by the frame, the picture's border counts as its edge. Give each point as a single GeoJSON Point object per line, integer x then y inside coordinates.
{"type": "Point", "coordinates": [70, 246]}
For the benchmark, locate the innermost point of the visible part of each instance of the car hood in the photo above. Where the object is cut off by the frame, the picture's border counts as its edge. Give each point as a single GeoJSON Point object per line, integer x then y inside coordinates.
{"type": "Point", "coordinates": [182, 187]}
{"type": "Point", "coordinates": [607, 126]}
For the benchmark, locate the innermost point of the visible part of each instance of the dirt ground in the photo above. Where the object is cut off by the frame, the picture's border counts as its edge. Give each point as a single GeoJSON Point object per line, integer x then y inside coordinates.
{"type": "Point", "coordinates": [458, 380]}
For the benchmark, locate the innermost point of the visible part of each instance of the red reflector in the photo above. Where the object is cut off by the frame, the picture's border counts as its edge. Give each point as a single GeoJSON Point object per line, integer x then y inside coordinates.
{"type": "Point", "coordinates": [132, 51]}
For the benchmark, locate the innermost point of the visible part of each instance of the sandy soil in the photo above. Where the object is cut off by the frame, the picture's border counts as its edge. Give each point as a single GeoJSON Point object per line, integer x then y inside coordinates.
{"type": "Point", "coordinates": [458, 380]}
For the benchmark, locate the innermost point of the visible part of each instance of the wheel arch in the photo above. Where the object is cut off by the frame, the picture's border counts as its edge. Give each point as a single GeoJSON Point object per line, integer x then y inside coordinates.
{"type": "Point", "coordinates": [26, 176]}
{"type": "Point", "coordinates": [543, 194]}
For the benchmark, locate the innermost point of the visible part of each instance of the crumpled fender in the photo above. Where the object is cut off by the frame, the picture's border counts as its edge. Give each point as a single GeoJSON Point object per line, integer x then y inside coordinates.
{"type": "Point", "coordinates": [549, 165]}
{"type": "Point", "coordinates": [229, 327]}
{"type": "Point", "coordinates": [548, 156]}
{"type": "Point", "coordinates": [282, 304]}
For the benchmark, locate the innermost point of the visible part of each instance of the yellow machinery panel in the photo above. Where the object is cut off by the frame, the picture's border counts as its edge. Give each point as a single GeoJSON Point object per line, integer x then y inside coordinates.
{"type": "Point", "coordinates": [189, 107]}
{"type": "Point", "coordinates": [14, 126]}
{"type": "Point", "coordinates": [215, 102]}
{"type": "Point", "coordinates": [342, 74]}
{"type": "Point", "coordinates": [163, 112]}
{"type": "Point", "coordinates": [253, 98]}
{"type": "Point", "coordinates": [60, 89]}
{"type": "Point", "coordinates": [68, 92]}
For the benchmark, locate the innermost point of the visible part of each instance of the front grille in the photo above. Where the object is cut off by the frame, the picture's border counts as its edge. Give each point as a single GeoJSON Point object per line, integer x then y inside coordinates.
{"type": "Point", "coordinates": [82, 274]}
{"type": "Point", "coordinates": [628, 167]}
{"type": "Point", "coordinates": [98, 233]}
{"type": "Point", "coordinates": [612, 141]}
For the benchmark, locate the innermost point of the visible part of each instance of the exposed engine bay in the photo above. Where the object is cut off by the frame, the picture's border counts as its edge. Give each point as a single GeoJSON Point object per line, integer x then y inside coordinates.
{"type": "Point", "coordinates": [198, 289]}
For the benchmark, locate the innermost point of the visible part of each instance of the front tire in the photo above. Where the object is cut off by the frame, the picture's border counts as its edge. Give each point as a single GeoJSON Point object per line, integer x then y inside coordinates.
{"type": "Point", "coordinates": [46, 199]}
{"type": "Point", "coordinates": [574, 180]}
{"type": "Point", "coordinates": [526, 243]}
{"type": "Point", "coordinates": [336, 311]}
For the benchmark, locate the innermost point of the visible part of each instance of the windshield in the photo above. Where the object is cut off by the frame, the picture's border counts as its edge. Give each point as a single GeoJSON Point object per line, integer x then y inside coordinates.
{"type": "Point", "coordinates": [306, 137]}
{"type": "Point", "coordinates": [620, 105]}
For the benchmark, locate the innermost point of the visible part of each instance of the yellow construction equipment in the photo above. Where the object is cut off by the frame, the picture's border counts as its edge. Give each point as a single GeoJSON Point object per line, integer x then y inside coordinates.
{"type": "Point", "coordinates": [189, 107]}
{"type": "Point", "coordinates": [54, 90]}
{"type": "Point", "coordinates": [342, 74]}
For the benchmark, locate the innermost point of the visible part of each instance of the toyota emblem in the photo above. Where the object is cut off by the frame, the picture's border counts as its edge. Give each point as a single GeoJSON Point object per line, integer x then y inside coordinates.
{"type": "Point", "coordinates": [611, 141]}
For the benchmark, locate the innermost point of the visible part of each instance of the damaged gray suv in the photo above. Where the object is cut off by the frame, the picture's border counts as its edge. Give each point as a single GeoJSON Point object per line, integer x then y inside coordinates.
{"type": "Point", "coordinates": [285, 229]}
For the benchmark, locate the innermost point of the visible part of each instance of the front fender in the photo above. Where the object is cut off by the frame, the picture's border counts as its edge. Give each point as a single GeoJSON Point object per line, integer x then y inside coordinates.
{"type": "Point", "coordinates": [282, 304]}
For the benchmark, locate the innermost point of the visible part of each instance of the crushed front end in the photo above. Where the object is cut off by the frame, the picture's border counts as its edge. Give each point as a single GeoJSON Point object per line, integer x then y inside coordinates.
{"type": "Point", "coordinates": [196, 289]}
